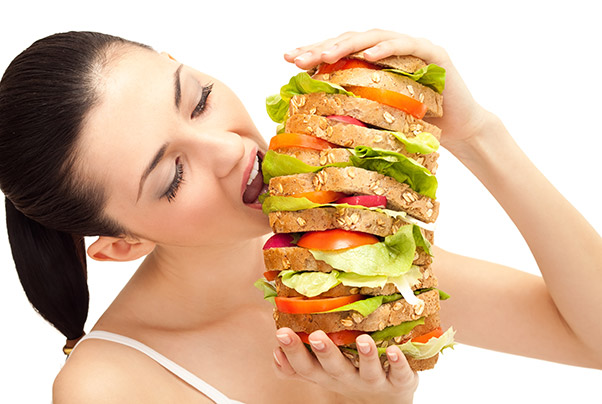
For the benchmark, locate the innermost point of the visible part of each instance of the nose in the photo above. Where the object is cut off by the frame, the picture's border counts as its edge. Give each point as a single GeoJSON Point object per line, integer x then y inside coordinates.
{"type": "Point", "coordinates": [221, 151]}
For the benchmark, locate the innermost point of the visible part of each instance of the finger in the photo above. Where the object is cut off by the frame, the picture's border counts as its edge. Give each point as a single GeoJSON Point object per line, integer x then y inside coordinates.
{"type": "Point", "coordinates": [330, 357]}
{"type": "Point", "coordinates": [282, 365]}
{"type": "Point", "coordinates": [400, 373]}
{"type": "Point", "coordinates": [315, 48]}
{"type": "Point", "coordinates": [371, 370]}
{"type": "Point", "coordinates": [354, 43]}
{"type": "Point", "coordinates": [406, 45]}
{"type": "Point", "coordinates": [299, 358]}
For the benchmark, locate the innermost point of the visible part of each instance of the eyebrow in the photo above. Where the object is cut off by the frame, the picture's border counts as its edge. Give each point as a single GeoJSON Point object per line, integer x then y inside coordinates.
{"type": "Point", "coordinates": [177, 86]}
{"type": "Point", "coordinates": [154, 162]}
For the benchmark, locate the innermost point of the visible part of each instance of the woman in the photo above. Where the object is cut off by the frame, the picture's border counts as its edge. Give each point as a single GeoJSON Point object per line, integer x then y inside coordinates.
{"type": "Point", "coordinates": [154, 158]}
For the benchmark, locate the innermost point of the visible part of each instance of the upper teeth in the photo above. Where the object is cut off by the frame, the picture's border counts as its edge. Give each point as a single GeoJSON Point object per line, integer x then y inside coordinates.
{"type": "Point", "coordinates": [254, 171]}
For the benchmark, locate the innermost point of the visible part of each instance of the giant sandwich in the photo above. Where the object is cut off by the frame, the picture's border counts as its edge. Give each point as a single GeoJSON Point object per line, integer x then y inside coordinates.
{"type": "Point", "coordinates": [352, 203]}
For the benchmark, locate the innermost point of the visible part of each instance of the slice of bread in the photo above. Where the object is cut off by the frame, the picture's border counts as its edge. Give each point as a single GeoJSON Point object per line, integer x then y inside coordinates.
{"type": "Point", "coordinates": [388, 314]}
{"type": "Point", "coordinates": [362, 109]}
{"type": "Point", "coordinates": [341, 290]}
{"type": "Point", "coordinates": [358, 181]}
{"type": "Point", "coordinates": [387, 81]}
{"type": "Point", "coordinates": [300, 259]}
{"type": "Point", "coordinates": [349, 135]}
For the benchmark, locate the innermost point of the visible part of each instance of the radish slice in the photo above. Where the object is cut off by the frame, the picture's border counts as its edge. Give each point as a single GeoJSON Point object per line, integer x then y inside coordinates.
{"type": "Point", "coordinates": [369, 201]}
{"type": "Point", "coordinates": [278, 241]}
{"type": "Point", "coordinates": [346, 119]}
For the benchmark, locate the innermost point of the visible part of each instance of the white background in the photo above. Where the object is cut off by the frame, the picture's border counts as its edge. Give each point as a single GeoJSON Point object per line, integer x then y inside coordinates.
{"type": "Point", "coordinates": [535, 64]}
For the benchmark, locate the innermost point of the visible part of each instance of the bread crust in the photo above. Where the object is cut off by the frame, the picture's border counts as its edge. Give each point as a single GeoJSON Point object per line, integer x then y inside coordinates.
{"type": "Point", "coordinates": [358, 181]}
{"type": "Point", "coordinates": [370, 112]}
{"type": "Point", "coordinates": [300, 259]}
{"type": "Point", "coordinates": [349, 135]}
{"type": "Point", "coordinates": [388, 314]}
{"type": "Point", "coordinates": [407, 63]}
{"type": "Point", "coordinates": [388, 81]}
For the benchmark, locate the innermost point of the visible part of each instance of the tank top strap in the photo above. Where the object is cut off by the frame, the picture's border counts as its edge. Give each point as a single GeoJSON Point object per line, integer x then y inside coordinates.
{"type": "Point", "coordinates": [179, 371]}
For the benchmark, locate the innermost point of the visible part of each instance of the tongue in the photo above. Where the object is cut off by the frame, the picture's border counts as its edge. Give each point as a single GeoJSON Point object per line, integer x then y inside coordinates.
{"type": "Point", "coordinates": [254, 188]}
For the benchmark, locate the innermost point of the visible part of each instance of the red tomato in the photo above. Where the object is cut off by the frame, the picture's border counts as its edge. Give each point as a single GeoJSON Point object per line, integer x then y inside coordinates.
{"type": "Point", "coordinates": [335, 239]}
{"type": "Point", "coordinates": [369, 201]}
{"type": "Point", "coordinates": [344, 337]}
{"type": "Point", "coordinates": [392, 99]}
{"type": "Point", "coordinates": [321, 196]}
{"type": "Point", "coordinates": [345, 64]}
{"type": "Point", "coordinates": [346, 119]}
{"type": "Point", "coordinates": [285, 140]}
{"type": "Point", "coordinates": [303, 305]}
{"type": "Point", "coordinates": [436, 333]}
{"type": "Point", "coordinates": [271, 275]}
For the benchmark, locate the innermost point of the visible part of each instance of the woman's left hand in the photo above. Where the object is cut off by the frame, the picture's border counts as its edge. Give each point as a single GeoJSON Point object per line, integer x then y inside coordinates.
{"type": "Point", "coordinates": [332, 371]}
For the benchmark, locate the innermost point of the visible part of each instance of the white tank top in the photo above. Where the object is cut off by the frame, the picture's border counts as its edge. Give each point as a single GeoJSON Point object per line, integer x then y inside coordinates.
{"type": "Point", "coordinates": [193, 380]}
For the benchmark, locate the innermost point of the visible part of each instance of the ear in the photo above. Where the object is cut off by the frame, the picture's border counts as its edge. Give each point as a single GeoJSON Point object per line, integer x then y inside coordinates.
{"type": "Point", "coordinates": [119, 249]}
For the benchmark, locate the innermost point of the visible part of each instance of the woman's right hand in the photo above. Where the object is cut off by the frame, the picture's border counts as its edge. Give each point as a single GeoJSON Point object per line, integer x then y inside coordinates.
{"type": "Point", "coordinates": [463, 117]}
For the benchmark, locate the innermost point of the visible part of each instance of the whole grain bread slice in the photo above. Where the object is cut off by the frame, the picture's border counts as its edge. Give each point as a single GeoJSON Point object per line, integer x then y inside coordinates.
{"type": "Point", "coordinates": [407, 63]}
{"type": "Point", "coordinates": [358, 181]}
{"type": "Point", "coordinates": [367, 111]}
{"type": "Point", "coordinates": [349, 135]}
{"type": "Point", "coordinates": [388, 314]}
{"type": "Point", "coordinates": [428, 281]}
{"type": "Point", "coordinates": [387, 81]}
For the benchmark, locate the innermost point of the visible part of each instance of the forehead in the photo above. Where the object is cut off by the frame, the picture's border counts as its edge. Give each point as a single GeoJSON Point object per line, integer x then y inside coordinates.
{"type": "Point", "coordinates": [135, 109]}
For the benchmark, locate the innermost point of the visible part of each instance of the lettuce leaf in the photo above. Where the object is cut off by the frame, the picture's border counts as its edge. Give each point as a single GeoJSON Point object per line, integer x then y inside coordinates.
{"type": "Point", "coordinates": [367, 306]}
{"type": "Point", "coordinates": [392, 257]}
{"type": "Point", "coordinates": [302, 83]}
{"type": "Point", "coordinates": [433, 346]}
{"type": "Point", "coordinates": [269, 291]}
{"type": "Point", "coordinates": [278, 164]}
{"type": "Point", "coordinates": [396, 165]}
{"type": "Point", "coordinates": [422, 143]}
{"type": "Point", "coordinates": [396, 330]}
{"type": "Point", "coordinates": [310, 284]}
{"type": "Point", "coordinates": [432, 76]}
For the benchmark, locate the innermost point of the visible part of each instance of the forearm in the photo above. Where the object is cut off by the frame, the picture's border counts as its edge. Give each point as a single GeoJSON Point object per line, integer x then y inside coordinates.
{"type": "Point", "coordinates": [567, 249]}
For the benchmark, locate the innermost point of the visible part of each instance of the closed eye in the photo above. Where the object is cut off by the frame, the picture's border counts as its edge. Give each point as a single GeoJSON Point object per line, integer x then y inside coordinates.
{"type": "Point", "coordinates": [200, 107]}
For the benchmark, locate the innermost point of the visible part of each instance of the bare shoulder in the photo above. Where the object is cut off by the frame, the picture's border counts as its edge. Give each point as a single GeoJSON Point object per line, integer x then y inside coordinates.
{"type": "Point", "coordinates": [99, 372]}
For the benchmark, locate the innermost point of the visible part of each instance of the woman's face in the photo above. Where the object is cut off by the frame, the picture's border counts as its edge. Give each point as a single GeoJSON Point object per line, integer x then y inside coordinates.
{"type": "Point", "coordinates": [174, 149]}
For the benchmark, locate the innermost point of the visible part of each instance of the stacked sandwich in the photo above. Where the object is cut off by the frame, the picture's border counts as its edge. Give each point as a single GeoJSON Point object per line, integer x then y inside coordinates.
{"type": "Point", "coordinates": [352, 204]}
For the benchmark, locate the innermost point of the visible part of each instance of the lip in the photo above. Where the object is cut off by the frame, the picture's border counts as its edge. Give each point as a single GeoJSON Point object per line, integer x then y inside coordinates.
{"type": "Point", "coordinates": [247, 172]}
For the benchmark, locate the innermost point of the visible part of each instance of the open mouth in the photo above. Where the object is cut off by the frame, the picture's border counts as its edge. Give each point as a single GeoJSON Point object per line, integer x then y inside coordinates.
{"type": "Point", "coordinates": [255, 185]}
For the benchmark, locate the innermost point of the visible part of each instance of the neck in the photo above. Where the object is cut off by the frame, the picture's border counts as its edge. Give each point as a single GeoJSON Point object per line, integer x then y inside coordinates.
{"type": "Point", "coordinates": [182, 288]}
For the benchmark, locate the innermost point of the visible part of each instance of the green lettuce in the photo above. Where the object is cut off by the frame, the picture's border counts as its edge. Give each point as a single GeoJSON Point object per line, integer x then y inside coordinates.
{"type": "Point", "coordinates": [310, 284]}
{"type": "Point", "coordinates": [269, 291]}
{"type": "Point", "coordinates": [389, 163]}
{"type": "Point", "coordinates": [392, 257]}
{"type": "Point", "coordinates": [396, 165]}
{"type": "Point", "coordinates": [433, 346]}
{"type": "Point", "coordinates": [396, 330]}
{"type": "Point", "coordinates": [432, 76]}
{"type": "Point", "coordinates": [422, 143]}
{"type": "Point", "coordinates": [302, 83]}
{"type": "Point", "coordinates": [367, 306]}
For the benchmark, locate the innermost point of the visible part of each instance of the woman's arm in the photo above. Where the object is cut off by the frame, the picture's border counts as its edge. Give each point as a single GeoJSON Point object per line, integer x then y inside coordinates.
{"type": "Point", "coordinates": [567, 302]}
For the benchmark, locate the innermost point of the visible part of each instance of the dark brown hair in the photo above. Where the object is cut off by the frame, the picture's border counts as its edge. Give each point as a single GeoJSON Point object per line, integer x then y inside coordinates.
{"type": "Point", "coordinates": [45, 95]}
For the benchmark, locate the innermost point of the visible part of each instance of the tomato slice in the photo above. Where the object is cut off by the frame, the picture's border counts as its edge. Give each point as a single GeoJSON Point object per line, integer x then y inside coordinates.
{"type": "Point", "coordinates": [436, 333]}
{"type": "Point", "coordinates": [335, 239]}
{"type": "Point", "coordinates": [284, 140]}
{"type": "Point", "coordinates": [271, 275]}
{"type": "Point", "coordinates": [303, 305]}
{"type": "Point", "coordinates": [345, 64]}
{"type": "Point", "coordinates": [346, 119]}
{"type": "Point", "coordinates": [321, 196]}
{"type": "Point", "coordinates": [392, 99]}
{"type": "Point", "coordinates": [369, 201]}
{"type": "Point", "coordinates": [344, 337]}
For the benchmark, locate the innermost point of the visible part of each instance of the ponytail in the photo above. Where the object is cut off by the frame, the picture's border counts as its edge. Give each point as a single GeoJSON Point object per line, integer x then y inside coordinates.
{"type": "Point", "coordinates": [52, 269]}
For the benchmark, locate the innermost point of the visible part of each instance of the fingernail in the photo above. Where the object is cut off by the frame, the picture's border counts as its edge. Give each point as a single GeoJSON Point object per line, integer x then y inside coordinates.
{"type": "Point", "coordinates": [284, 339]}
{"type": "Point", "coordinates": [363, 347]}
{"type": "Point", "coordinates": [393, 357]}
{"type": "Point", "coordinates": [291, 52]}
{"type": "Point", "coordinates": [330, 50]}
{"type": "Point", "coordinates": [303, 57]}
{"type": "Point", "coordinates": [318, 345]}
{"type": "Point", "coordinates": [276, 359]}
{"type": "Point", "coordinates": [371, 51]}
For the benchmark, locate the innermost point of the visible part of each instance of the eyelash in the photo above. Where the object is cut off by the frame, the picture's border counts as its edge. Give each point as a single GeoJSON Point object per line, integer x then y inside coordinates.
{"type": "Point", "coordinates": [177, 181]}
{"type": "Point", "coordinates": [201, 105]}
